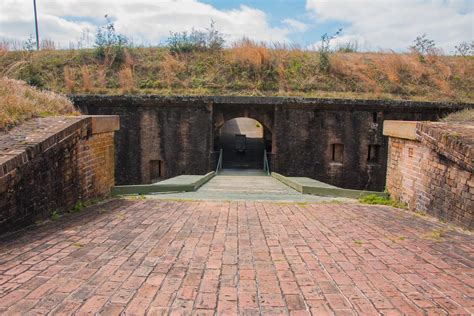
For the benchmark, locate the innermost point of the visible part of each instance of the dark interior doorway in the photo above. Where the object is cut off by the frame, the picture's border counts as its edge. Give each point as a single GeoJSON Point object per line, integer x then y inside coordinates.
{"type": "Point", "coordinates": [243, 141]}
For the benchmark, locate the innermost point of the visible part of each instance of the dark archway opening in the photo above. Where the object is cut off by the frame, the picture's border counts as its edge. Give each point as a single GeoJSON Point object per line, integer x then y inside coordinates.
{"type": "Point", "coordinates": [243, 141]}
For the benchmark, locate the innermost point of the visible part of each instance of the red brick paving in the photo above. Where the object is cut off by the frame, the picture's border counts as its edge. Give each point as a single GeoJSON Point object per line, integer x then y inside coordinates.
{"type": "Point", "coordinates": [206, 258]}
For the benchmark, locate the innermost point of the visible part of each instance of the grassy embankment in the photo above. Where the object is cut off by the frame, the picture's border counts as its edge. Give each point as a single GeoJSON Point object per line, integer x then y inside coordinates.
{"type": "Point", "coordinates": [20, 102]}
{"type": "Point", "coordinates": [247, 68]}
{"type": "Point", "coordinates": [464, 116]}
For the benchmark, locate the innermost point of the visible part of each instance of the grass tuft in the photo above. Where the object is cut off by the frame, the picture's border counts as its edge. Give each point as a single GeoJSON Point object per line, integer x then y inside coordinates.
{"type": "Point", "coordinates": [437, 234]}
{"type": "Point", "coordinates": [374, 199]}
{"type": "Point", "coordinates": [55, 216]}
{"type": "Point", "coordinates": [78, 207]}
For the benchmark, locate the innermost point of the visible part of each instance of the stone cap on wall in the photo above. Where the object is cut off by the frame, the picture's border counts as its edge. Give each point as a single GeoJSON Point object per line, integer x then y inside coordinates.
{"type": "Point", "coordinates": [400, 129]}
{"type": "Point", "coordinates": [454, 141]}
{"type": "Point", "coordinates": [104, 123]}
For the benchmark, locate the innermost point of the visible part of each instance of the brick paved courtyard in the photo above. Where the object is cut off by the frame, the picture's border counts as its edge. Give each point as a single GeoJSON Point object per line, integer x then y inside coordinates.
{"type": "Point", "coordinates": [156, 256]}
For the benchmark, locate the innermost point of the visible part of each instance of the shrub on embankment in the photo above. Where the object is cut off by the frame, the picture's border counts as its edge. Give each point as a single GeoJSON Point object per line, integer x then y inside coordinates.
{"type": "Point", "coordinates": [248, 68]}
{"type": "Point", "coordinates": [20, 102]}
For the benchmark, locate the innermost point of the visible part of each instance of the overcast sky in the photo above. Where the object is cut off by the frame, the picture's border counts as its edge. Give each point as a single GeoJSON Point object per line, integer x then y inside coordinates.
{"type": "Point", "coordinates": [374, 24]}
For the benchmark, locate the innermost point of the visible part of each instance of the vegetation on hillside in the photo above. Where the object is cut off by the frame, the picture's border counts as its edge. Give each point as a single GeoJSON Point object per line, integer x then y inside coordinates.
{"type": "Point", "coordinates": [464, 116]}
{"type": "Point", "coordinates": [20, 102]}
{"type": "Point", "coordinates": [198, 63]}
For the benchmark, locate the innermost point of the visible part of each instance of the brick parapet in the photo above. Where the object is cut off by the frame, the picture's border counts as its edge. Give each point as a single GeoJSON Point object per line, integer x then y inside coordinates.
{"type": "Point", "coordinates": [48, 164]}
{"type": "Point", "coordinates": [432, 172]}
{"type": "Point", "coordinates": [453, 140]}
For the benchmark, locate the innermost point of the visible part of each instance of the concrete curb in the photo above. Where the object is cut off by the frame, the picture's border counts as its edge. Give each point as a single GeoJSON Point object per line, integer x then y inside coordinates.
{"type": "Point", "coordinates": [327, 190]}
{"type": "Point", "coordinates": [162, 187]}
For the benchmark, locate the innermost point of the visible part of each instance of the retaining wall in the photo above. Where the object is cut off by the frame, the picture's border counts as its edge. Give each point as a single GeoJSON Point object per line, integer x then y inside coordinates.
{"type": "Point", "coordinates": [49, 164]}
{"type": "Point", "coordinates": [430, 168]}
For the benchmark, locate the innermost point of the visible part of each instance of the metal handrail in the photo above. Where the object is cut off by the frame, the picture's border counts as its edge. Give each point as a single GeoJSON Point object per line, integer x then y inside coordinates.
{"type": "Point", "coordinates": [266, 165]}
{"type": "Point", "coordinates": [219, 162]}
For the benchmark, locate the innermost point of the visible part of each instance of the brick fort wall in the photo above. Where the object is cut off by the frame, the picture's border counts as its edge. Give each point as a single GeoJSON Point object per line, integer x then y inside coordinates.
{"type": "Point", "coordinates": [162, 137]}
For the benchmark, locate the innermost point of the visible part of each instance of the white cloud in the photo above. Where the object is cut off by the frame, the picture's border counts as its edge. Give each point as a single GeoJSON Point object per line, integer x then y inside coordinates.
{"type": "Point", "coordinates": [394, 24]}
{"type": "Point", "coordinates": [147, 21]}
{"type": "Point", "coordinates": [296, 25]}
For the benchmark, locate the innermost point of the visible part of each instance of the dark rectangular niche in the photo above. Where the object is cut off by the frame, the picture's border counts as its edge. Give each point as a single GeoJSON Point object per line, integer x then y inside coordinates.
{"type": "Point", "coordinates": [337, 153]}
{"type": "Point", "coordinates": [373, 155]}
{"type": "Point", "coordinates": [156, 169]}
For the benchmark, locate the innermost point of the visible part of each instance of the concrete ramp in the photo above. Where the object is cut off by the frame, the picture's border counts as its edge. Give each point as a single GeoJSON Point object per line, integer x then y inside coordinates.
{"type": "Point", "coordinates": [184, 183]}
{"type": "Point", "coordinates": [245, 185]}
{"type": "Point", "coordinates": [314, 187]}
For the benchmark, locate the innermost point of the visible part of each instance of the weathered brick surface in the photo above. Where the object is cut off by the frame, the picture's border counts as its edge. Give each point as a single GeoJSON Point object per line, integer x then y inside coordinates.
{"type": "Point", "coordinates": [434, 173]}
{"type": "Point", "coordinates": [207, 258]}
{"type": "Point", "coordinates": [48, 164]}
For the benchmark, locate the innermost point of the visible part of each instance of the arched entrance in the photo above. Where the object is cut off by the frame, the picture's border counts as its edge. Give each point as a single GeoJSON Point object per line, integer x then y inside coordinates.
{"type": "Point", "coordinates": [243, 141]}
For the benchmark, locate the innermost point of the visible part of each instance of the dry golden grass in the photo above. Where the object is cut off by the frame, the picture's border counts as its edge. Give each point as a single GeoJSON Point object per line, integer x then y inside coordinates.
{"type": "Point", "coordinates": [356, 67]}
{"type": "Point", "coordinates": [47, 44]}
{"type": "Point", "coordinates": [128, 59]}
{"type": "Point", "coordinates": [20, 102]}
{"type": "Point", "coordinates": [464, 116]}
{"type": "Point", "coordinates": [282, 83]}
{"type": "Point", "coordinates": [391, 65]}
{"type": "Point", "coordinates": [249, 53]}
{"type": "Point", "coordinates": [127, 84]}
{"type": "Point", "coordinates": [69, 79]}
{"type": "Point", "coordinates": [171, 66]}
{"type": "Point", "coordinates": [102, 77]}
{"type": "Point", "coordinates": [86, 79]}
{"type": "Point", "coordinates": [249, 68]}
{"type": "Point", "coordinates": [4, 47]}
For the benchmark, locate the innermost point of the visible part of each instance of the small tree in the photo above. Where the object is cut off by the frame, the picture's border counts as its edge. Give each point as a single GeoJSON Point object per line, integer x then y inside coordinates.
{"type": "Point", "coordinates": [109, 44]}
{"type": "Point", "coordinates": [325, 50]}
{"type": "Point", "coordinates": [30, 44]}
{"type": "Point", "coordinates": [183, 42]}
{"type": "Point", "coordinates": [214, 38]}
{"type": "Point", "coordinates": [423, 46]}
{"type": "Point", "coordinates": [464, 49]}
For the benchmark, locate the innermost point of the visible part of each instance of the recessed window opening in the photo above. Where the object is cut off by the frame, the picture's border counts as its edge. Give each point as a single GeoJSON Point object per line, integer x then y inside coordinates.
{"type": "Point", "coordinates": [337, 152]}
{"type": "Point", "coordinates": [156, 169]}
{"type": "Point", "coordinates": [373, 153]}
{"type": "Point", "coordinates": [374, 117]}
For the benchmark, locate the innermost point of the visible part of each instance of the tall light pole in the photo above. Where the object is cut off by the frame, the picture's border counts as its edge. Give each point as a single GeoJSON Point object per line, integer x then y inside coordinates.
{"type": "Point", "coordinates": [36, 27]}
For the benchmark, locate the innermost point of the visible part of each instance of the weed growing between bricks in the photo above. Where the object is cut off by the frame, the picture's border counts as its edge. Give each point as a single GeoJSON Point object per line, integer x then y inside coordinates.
{"type": "Point", "coordinates": [374, 199]}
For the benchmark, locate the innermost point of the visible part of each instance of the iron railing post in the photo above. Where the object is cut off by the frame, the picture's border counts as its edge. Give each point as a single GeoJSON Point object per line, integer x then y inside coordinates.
{"type": "Point", "coordinates": [266, 166]}
{"type": "Point", "coordinates": [219, 162]}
